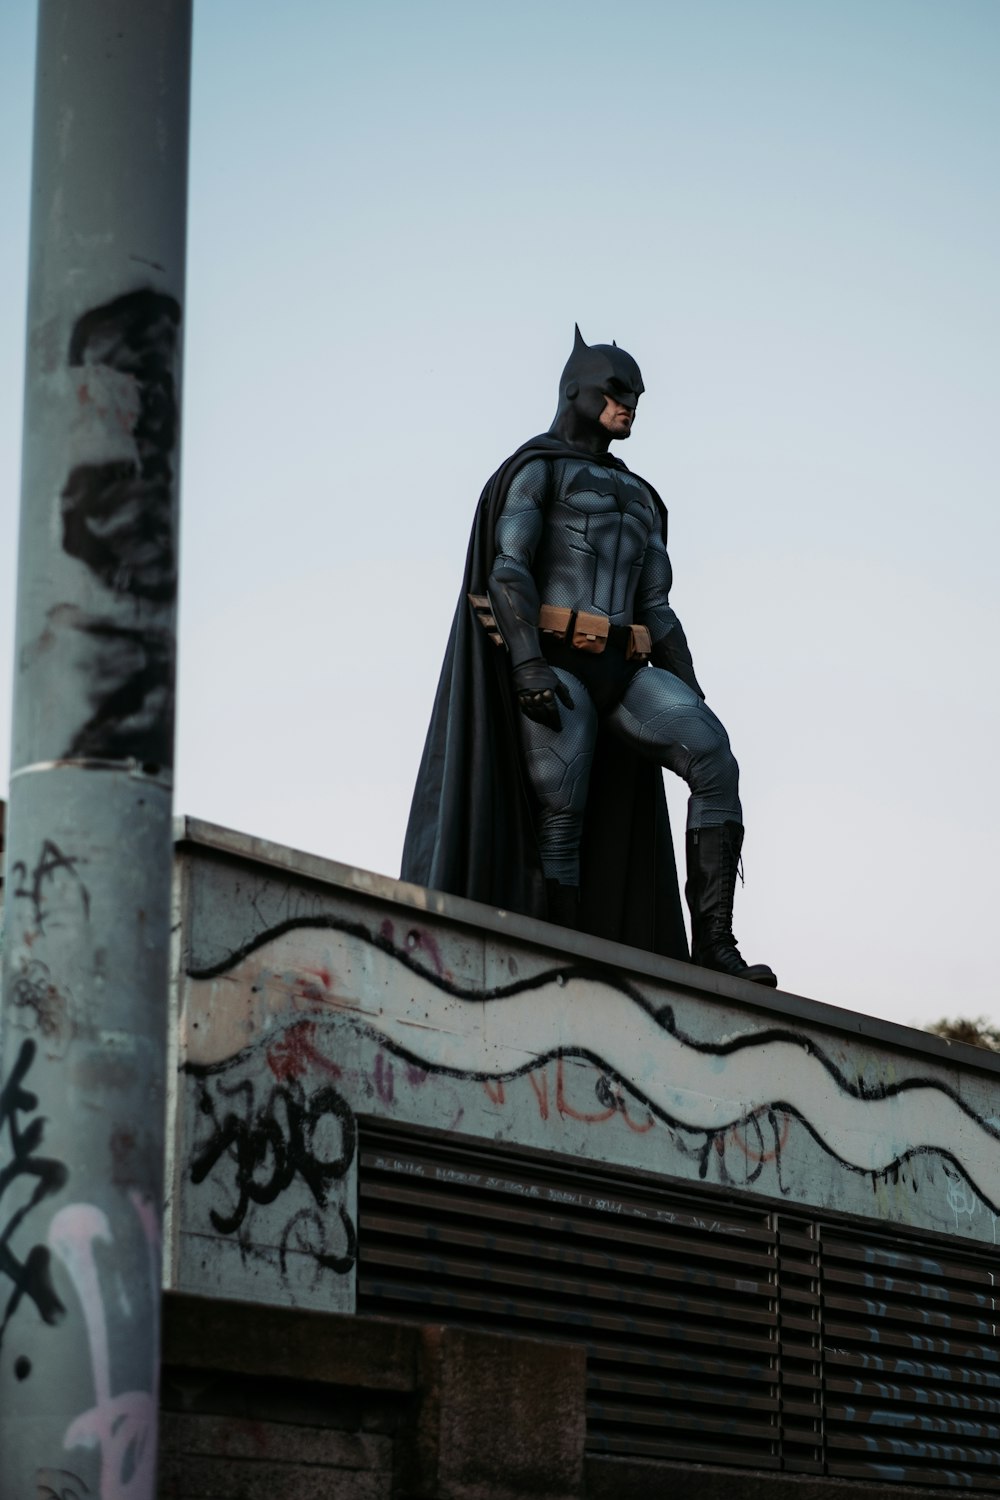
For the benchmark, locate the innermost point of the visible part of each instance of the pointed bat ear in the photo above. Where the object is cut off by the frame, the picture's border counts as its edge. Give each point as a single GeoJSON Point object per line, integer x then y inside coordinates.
{"type": "Point", "coordinates": [578, 341]}
{"type": "Point", "coordinates": [614, 343]}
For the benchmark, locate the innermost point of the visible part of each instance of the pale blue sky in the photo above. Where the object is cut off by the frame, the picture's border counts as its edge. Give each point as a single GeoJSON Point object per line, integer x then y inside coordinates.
{"type": "Point", "coordinates": [789, 211]}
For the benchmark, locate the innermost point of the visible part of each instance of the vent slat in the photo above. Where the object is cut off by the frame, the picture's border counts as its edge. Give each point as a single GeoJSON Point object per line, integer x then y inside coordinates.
{"type": "Point", "coordinates": [603, 1414]}
{"type": "Point", "coordinates": [676, 1359]}
{"type": "Point", "coordinates": [704, 1395]}
{"type": "Point", "coordinates": [903, 1422]}
{"type": "Point", "coordinates": [686, 1446]}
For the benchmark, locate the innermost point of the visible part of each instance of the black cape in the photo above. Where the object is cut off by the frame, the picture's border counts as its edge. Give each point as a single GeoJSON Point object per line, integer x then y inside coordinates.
{"type": "Point", "coordinates": [471, 830]}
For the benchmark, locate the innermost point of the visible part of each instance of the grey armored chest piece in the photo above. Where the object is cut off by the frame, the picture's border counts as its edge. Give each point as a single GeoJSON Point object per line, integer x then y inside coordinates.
{"type": "Point", "coordinates": [598, 524]}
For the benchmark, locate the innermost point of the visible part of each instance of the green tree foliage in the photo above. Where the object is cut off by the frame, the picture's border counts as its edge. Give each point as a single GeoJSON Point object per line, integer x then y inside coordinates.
{"type": "Point", "coordinates": [978, 1033]}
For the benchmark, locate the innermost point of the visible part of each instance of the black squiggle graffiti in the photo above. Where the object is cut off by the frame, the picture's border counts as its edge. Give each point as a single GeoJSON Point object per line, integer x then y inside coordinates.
{"type": "Point", "coordinates": [118, 519]}
{"type": "Point", "coordinates": [32, 989]}
{"type": "Point", "coordinates": [772, 1120]}
{"type": "Point", "coordinates": [716, 1141]}
{"type": "Point", "coordinates": [271, 1144]}
{"type": "Point", "coordinates": [37, 888]}
{"type": "Point", "coordinates": [661, 1014]}
{"type": "Point", "coordinates": [306, 1231]}
{"type": "Point", "coordinates": [31, 1277]}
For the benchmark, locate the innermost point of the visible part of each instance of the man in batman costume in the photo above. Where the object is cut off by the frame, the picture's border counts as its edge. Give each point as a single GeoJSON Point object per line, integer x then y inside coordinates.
{"type": "Point", "coordinates": [566, 685]}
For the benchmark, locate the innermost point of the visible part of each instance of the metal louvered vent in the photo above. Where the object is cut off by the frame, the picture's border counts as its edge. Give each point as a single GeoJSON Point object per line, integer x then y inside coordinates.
{"type": "Point", "coordinates": [676, 1309]}
{"type": "Point", "coordinates": [713, 1332]}
{"type": "Point", "coordinates": [912, 1363]}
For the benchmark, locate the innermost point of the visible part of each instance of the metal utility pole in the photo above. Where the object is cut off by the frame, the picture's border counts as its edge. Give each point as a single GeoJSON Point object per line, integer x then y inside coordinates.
{"type": "Point", "coordinates": [88, 861]}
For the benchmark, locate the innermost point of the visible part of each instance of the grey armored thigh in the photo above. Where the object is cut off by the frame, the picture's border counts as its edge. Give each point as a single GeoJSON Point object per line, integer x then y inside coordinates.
{"type": "Point", "coordinates": [558, 766]}
{"type": "Point", "coordinates": [665, 720]}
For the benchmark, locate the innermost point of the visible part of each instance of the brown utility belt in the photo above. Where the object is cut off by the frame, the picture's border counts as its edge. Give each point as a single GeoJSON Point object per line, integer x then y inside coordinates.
{"type": "Point", "coordinates": [582, 630]}
{"type": "Point", "coordinates": [588, 632]}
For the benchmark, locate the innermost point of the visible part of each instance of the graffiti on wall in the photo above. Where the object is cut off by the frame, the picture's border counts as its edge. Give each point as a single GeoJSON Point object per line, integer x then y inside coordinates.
{"type": "Point", "coordinates": [579, 1045]}
{"type": "Point", "coordinates": [254, 1148]}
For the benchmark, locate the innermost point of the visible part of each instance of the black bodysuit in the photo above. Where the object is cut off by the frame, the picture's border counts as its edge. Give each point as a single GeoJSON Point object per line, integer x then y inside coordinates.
{"type": "Point", "coordinates": [577, 533]}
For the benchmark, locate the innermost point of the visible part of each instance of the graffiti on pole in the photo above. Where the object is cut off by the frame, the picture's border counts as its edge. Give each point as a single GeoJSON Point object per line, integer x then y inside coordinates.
{"type": "Point", "coordinates": [61, 1484]}
{"type": "Point", "coordinates": [30, 1276]}
{"type": "Point", "coordinates": [122, 1427]}
{"type": "Point", "coordinates": [52, 888]}
{"type": "Point", "coordinates": [117, 519]}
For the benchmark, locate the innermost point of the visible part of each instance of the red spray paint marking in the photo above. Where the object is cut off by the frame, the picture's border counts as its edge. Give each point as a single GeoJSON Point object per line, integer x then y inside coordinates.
{"type": "Point", "coordinates": [496, 1092]}
{"type": "Point", "coordinates": [295, 1053]}
{"type": "Point", "coordinates": [415, 1075]}
{"type": "Point", "coordinates": [541, 1092]}
{"type": "Point", "coordinates": [385, 1085]}
{"type": "Point", "coordinates": [639, 1129]}
{"type": "Point", "coordinates": [315, 994]}
{"type": "Point", "coordinates": [323, 975]}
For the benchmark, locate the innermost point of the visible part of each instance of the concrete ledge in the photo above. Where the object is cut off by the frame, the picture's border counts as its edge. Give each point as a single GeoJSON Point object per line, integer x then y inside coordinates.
{"type": "Point", "coordinates": [212, 1458]}
{"type": "Point", "coordinates": [279, 1343]}
{"type": "Point", "coordinates": [470, 1416]}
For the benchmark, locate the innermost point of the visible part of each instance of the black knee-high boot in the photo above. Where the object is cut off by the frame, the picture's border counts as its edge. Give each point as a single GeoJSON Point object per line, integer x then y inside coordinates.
{"type": "Point", "coordinates": [712, 860]}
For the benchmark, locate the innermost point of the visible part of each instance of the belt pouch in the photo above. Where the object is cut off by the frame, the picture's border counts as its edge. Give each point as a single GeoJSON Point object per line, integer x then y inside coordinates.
{"type": "Point", "coordinates": [590, 632]}
{"type": "Point", "coordinates": [640, 644]}
{"type": "Point", "coordinates": [553, 619]}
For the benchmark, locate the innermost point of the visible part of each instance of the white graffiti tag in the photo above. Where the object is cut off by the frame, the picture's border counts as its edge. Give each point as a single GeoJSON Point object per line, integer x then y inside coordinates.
{"type": "Point", "coordinates": [122, 1427]}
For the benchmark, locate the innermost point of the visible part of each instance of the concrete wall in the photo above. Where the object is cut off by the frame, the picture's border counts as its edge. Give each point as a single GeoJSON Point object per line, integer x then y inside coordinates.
{"type": "Point", "coordinates": [276, 1404]}
{"type": "Point", "coordinates": [309, 994]}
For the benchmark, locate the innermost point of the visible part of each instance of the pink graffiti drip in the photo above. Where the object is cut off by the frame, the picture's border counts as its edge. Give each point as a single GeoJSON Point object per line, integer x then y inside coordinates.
{"type": "Point", "coordinates": [385, 1085]}
{"type": "Point", "coordinates": [416, 938]}
{"type": "Point", "coordinates": [429, 944]}
{"type": "Point", "coordinates": [123, 1427]}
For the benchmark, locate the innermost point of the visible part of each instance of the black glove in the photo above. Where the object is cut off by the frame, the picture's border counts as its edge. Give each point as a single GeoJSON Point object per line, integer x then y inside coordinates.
{"type": "Point", "coordinates": [537, 686]}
